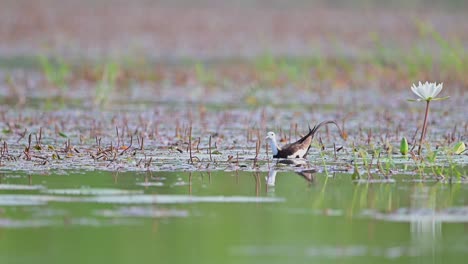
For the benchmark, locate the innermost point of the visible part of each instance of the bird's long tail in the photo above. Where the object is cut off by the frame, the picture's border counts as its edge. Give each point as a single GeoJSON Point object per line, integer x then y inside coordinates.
{"type": "Point", "coordinates": [316, 127]}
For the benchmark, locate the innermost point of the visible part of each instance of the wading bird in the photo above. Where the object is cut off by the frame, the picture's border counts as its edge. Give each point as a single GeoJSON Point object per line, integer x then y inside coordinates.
{"type": "Point", "coordinates": [298, 149]}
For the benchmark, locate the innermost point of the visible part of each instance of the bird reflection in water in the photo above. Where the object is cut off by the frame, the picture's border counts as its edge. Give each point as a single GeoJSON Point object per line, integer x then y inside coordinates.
{"type": "Point", "coordinates": [307, 174]}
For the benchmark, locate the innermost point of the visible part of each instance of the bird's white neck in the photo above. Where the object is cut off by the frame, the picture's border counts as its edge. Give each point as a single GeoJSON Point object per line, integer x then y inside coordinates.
{"type": "Point", "coordinates": [273, 145]}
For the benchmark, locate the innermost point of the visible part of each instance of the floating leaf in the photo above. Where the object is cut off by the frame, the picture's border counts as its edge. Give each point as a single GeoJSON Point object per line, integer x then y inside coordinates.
{"type": "Point", "coordinates": [404, 146]}
{"type": "Point", "coordinates": [459, 148]}
{"type": "Point", "coordinates": [216, 152]}
{"type": "Point", "coordinates": [62, 134]}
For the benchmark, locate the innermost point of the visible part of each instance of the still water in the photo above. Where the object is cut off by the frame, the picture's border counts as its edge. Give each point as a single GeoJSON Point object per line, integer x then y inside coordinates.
{"type": "Point", "coordinates": [229, 217]}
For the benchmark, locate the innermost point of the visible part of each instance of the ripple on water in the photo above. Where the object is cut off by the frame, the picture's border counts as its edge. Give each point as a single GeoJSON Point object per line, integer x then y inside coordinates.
{"type": "Point", "coordinates": [137, 211]}
{"type": "Point", "coordinates": [92, 191]}
{"type": "Point", "coordinates": [150, 184]}
{"type": "Point", "coordinates": [85, 221]}
{"type": "Point", "coordinates": [21, 199]}
{"type": "Point", "coordinates": [448, 215]}
{"type": "Point", "coordinates": [367, 181]}
{"type": "Point", "coordinates": [180, 183]}
{"type": "Point", "coordinates": [176, 199]}
{"type": "Point", "coordinates": [93, 222]}
{"type": "Point", "coordinates": [13, 223]}
{"type": "Point", "coordinates": [331, 252]}
{"type": "Point", "coordinates": [21, 187]}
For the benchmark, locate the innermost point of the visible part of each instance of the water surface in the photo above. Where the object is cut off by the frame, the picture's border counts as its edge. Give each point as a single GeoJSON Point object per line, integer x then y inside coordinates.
{"type": "Point", "coordinates": [229, 217]}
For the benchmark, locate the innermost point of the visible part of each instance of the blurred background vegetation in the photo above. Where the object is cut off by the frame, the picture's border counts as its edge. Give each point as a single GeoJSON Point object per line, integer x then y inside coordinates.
{"type": "Point", "coordinates": [82, 49]}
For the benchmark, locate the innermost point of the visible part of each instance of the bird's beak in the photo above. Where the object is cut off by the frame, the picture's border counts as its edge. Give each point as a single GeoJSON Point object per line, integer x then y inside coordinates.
{"type": "Point", "coordinates": [266, 137]}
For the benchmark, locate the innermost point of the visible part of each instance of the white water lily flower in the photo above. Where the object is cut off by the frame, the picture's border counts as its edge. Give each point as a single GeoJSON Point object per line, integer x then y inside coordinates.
{"type": "Point", "coordinates": [427, 91]}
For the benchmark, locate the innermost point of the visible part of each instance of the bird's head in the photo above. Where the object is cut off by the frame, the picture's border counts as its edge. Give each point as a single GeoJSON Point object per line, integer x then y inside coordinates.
{"type": "Point", "coordinates": [271, 139]}
{"type": "Point", "coordinates": [271, 136]}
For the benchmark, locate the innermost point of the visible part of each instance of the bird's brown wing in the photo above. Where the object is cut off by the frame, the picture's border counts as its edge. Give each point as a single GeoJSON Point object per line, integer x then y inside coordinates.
{"type": "Point", "coordinates": [292, 150]}
{"type": "Point", "coordinates": [302, 146]}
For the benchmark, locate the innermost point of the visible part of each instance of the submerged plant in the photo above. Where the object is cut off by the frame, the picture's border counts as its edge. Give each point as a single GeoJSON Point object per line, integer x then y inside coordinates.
{"type": "Point", "coordinates": [426, 92]}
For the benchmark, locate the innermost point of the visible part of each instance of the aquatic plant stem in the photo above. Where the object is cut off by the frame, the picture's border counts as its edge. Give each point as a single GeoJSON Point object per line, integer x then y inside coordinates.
{"type": "Point", "coordinates": [424, 128]}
